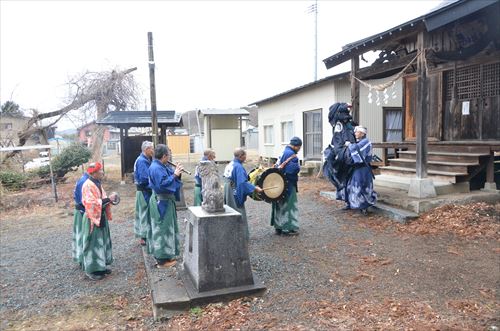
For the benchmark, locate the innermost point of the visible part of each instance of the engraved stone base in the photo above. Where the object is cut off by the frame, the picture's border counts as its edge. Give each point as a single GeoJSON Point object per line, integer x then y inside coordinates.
{"type": "Point", "coordinates": [216, 250]}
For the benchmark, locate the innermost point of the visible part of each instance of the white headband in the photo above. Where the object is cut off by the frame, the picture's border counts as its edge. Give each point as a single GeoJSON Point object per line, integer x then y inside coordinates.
{"type": "Point", "coordinates": [361, 129]}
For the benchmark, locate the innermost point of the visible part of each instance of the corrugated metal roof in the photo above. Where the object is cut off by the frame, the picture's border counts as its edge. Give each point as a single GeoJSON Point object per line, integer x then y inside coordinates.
{"type": "Point", "coordinates": [296, 89]}
{"type": "Point", "coordinates": [211, 111]}
{"type": "Point", "coordinates": [141, 118]}
{"type": "Point", "coordinates": [445, 13]}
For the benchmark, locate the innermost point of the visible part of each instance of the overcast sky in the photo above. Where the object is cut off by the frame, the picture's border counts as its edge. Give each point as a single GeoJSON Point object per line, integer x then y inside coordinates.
{"type": "Point", "coordinates": [208, 54]}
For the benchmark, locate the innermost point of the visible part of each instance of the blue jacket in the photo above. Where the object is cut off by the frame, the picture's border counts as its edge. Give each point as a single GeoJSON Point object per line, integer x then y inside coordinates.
{"type": "Point", "coordinates": [162, 180]}
{"type": "Point", "coordinates": [77, 193]}
{"type": "Point", "coordinates": [292, 168]}
{"type": "Point", "coordinates": [239, 177]}
{"type": "Point", "coordinates": [141, 166]}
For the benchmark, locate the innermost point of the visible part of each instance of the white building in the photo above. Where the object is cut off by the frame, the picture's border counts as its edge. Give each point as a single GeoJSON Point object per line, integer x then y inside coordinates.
{"type": "Point", "coordinates": [303, 112]}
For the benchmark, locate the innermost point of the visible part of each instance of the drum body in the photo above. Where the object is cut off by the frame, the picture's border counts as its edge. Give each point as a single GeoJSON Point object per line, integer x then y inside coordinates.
{"type": "Point", "coordinates": [272, 181]}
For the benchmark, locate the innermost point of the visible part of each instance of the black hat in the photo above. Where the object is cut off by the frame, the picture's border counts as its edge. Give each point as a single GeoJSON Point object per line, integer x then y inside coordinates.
{"type": "Point", "coordinates": [296, 141]}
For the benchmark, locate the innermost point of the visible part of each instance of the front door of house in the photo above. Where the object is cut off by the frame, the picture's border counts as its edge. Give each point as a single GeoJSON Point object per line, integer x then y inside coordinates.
{"type": "Point", "coordinates": [313, 135]}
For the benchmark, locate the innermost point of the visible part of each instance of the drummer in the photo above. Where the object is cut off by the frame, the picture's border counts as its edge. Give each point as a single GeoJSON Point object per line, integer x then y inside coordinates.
{"type": "Point", "coordinates": [236, 185]}
{"type": "Point", "coordinates": [284, 214]}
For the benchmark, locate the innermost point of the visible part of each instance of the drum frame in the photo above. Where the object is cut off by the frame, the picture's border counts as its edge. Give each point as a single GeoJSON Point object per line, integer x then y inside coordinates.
{"type": "Point", "coordinates": [260, 182]}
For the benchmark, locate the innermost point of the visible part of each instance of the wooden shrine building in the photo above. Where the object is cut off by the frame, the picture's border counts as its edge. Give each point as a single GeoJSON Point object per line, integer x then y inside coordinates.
{"type": "Point", "coordinates": [449, 63]}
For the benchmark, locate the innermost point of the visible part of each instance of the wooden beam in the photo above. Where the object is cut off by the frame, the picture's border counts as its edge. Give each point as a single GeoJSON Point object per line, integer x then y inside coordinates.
{"type": "Point", "coordinates": [355, 88]}
{"type": "Point", "coordinates": [389, 68]}
{"type": "Point", "coordinates": [422, 108]}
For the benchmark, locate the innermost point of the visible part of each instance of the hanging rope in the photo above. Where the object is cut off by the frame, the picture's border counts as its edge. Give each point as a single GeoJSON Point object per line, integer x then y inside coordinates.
{"type": "Point", "coordinates": [384, 86]}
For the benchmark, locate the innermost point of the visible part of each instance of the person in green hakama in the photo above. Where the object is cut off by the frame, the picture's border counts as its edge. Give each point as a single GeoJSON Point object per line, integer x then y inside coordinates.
{"type": "Point", "coordinates": [96, 237]}
{"type": "Point", "coordinates": [141, 180]}
{"type": "Point", "coordinates": [166, 184]}
{"type": "Point", "coordinates": [284, 214]}
{"type": "Point", "coordinates": [208, 155]}
{"type": "Point", "coordinates": [77, 246]}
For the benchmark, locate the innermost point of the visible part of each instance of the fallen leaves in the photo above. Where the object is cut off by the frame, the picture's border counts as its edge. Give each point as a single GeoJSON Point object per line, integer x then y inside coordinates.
{"type": "Point", "coordinates": [472, 220]}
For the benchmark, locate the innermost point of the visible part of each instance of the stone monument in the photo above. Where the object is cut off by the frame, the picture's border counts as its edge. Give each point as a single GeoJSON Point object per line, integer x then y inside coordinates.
{"type": "Point", "coordinates": [213, 198]}
{"type": "Point", "coordinates": [216, 258]}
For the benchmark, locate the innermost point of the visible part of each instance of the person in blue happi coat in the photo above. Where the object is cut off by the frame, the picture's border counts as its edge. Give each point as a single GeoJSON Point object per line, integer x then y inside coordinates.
{"type": "Point", "coordinates": [236, 184]}
{"type": "Point", "coordinates": [359, 193]}
{"type": "Point", "coordinates": [141, 180]}
{"type": "Point", "coordinates": [166, 184]}
{"type": "Point", "coordinates": [284, 213]}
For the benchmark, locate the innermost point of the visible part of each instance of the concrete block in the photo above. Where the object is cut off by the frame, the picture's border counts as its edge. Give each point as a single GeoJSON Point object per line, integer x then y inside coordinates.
{"type": "Point", "coordinates": [216, 250]}
{"type": "Point", "coordinates": [421, 188]}
{"type": "Point", "coordinates": [490, 186]}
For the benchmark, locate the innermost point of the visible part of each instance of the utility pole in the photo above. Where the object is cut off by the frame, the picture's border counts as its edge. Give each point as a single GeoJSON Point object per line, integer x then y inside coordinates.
{"type": "Point", "coordinates": [314, 9]}
{"type": "Point", "coordinates": [316, 40]}
{"type": "Point", "coordinates": [152, 89]}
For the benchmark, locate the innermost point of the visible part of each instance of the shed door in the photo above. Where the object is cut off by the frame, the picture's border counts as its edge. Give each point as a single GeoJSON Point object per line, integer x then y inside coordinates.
{"type": "Point", "coordinates": [313, 135]}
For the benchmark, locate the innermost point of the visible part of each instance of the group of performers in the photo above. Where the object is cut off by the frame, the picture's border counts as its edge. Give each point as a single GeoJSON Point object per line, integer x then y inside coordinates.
{"type": "Point", "coordinates": [347, 160]}
{"type": "Point", "coordinates": [158, 184]}
{"type": "Point", "coordinates": [158, 187]}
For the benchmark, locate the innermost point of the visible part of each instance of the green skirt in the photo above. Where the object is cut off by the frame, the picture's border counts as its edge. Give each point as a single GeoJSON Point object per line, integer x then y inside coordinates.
{"type": "Point", "coordinates": [97, 248]}
{"type": "Point", "coordinates": [197, 196]}
{"type": "Point", "coordinates": [141, 223]}
{"type": "Point", "coordinates": [284, 214]}
{"type": "Point", "coordinates": [76, 244]}
{"type": "Point", "coordinates": [164, 233]}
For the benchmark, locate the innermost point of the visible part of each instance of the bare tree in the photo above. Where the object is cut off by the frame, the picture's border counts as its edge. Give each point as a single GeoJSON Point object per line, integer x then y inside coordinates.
{"type": "Point", "coordinates": [90, 93]}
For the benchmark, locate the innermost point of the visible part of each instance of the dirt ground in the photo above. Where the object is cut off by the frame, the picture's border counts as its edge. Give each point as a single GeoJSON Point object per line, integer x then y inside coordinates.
{"type": "Point", "coordinates": [343, 272]}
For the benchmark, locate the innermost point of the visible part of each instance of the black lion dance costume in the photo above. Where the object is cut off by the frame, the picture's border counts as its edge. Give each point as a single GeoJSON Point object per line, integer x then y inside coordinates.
{"type": "Point", "coordinates": [337, 158]}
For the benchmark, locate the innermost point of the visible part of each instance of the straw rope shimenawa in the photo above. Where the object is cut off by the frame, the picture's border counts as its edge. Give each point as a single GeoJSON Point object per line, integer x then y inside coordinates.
{"type": "Point", "coordinates": [384, 86]}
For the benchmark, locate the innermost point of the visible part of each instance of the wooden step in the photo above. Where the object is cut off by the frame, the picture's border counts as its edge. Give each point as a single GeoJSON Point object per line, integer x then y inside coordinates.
{"type": "Point", "coordinates": [448, 153]}
{"type": "Point", "coordinates": [445, 156]}
{"type": "Point", "coordinates": [485, 150]}
{"type": "Point", "coordinates": [448, 166]}
{"type": "Point", "coordinates": [448, 176]}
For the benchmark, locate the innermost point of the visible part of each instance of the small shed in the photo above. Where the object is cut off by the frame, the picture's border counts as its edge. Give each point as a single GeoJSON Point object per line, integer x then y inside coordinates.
{"type": "Point", "coordinates": [223, 128]}
{"type": "Point", "coordinates": [131, 145]}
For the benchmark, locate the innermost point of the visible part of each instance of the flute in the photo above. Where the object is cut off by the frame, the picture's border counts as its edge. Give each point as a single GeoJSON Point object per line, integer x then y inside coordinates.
{"type": "Point", "coordinates": [175, 166]}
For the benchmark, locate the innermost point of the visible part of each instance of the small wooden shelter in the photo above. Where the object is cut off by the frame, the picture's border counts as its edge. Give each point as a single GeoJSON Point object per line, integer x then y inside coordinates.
{"type": "Point", "coordinates": [131, 145]}
{"type": "Point", "coordinates": [449, 60]}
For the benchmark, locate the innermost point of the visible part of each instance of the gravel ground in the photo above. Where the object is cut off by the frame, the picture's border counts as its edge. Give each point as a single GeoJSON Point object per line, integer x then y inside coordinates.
{"type": "Point", "coordinates": [342, 272]}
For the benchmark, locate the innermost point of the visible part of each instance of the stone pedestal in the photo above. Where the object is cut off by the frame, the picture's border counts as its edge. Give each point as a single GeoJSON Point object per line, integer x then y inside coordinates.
{"type": "Point", "coordinates": [490, 187]}
{"type": "Point", "coordinates": [422, 188]}
{"type": "Point", "coordinates": [216, 250]}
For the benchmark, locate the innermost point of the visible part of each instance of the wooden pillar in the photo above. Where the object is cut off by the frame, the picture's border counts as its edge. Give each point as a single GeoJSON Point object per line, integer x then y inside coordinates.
{"type": "Point", "coordinates": [241, 131]}
{"type": "Point", "coordinates": [422, 108]}
{"type": "Point", "coordinates": [152, 89]}
{"type": "Point", "coordinates": [209, 131]}
{"type": "Point", "coordinates": [122, 155]}
{"type": "Point", "coordinates": [355, 88]}
{"type": "Point", "coordinates": [163, 135]}
{"type": "Point", "coordinates": [52, 179]}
